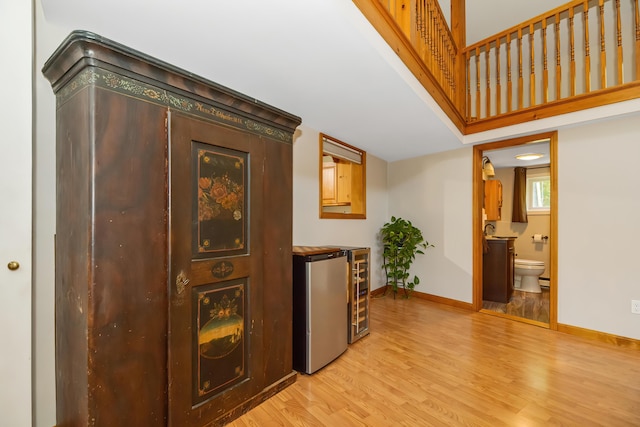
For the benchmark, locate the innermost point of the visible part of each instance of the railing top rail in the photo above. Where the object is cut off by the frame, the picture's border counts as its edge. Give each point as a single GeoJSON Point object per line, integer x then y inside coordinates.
{"type": "Point", "coordinates": [524, 26]}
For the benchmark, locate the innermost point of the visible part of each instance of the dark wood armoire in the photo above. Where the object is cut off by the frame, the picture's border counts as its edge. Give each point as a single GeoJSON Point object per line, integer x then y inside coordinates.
{"type": "Point", "coordinates": [173, 242]}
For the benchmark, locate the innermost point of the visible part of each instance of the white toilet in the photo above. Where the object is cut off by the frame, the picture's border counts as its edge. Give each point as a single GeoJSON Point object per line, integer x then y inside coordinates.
{"type": "Point", "coordinates": [527, 273]}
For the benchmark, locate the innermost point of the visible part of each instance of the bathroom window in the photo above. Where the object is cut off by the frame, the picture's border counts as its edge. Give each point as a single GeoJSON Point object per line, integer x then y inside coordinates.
{"type": "Point", "coordinates": [538, 192]}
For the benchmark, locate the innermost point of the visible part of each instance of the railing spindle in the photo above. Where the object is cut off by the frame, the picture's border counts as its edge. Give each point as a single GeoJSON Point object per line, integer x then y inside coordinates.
{"type": "Point", "coordinates": [603, 51]}
{"type": "Point", "coordinates": [498, 87]}
{"type": "Point", "coordinates": [545, 71]}
{"type": "Point", "coordinates": [520, 82]}
{"type": "Point", "coordinates": [419, 28]}
{"type": "Point", "coordinates": [558, 63]}
{"type": "Point", "coordinates": [435, 40]}
{"type": "Point", "coordinates": [532, 74]}
{"type": "Point", "coordinates": [587, 55]}
{"type": "Point", "coordinates": [452, 64]}
{"type": "Point", "coordinates": [441, 52]}
{"type": "Point", "coordinates": [487, 93]}
{"type": "Point", "coordinates": [619, 42]}
{"type": "Point", "coordinates": [468, 64]}
{"type": "Point", "coordinates": [572, 53]}
{"type": "Point", "coordinates": [637, 76]}
{"type": "Point", "coordinates": [509, 84]}
{"type": "Point", "coordinates": [478, 115]}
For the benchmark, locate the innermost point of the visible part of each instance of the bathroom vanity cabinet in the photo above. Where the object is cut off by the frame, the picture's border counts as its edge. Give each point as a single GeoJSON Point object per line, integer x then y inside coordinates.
{"type": "Point", "coordinates": [498, 266]}
{"type": "Point", "coordinates": [493, 199]}
{"type": "Point", "coordinates": [173, 275]}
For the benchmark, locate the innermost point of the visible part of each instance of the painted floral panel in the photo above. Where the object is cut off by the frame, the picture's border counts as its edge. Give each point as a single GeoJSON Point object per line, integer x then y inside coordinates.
{"type": "Point", "coordinates": [220, 347]}
{"type": "Point", "coordinates": [221, 221]}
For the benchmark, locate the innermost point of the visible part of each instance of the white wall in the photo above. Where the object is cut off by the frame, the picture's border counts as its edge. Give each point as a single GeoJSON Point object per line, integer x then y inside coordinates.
{"type": "Point", "coordinates": [309, 229]}
{"type": "Point", "coordinates": [435, 193]}
{"type": "Point", "coordinates": [16, 181]}
{"type": "Point", "coordinates": [48, 38]}
{"type": "Point", "coordinates": [598, 227]}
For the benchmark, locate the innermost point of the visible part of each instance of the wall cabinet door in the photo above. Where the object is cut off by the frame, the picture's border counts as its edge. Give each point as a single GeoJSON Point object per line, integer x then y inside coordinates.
{"type": "Point", "coordinates": [329, 184]}
{"type": "Point", "coordinates": [493, 199]}
{"type": "Point", "coordinates": [336, 183]}
{"type": "Point", "coordinates": [343, 178]}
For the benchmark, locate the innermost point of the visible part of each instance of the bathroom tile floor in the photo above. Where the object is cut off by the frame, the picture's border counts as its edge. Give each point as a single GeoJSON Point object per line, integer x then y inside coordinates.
{"type": "Point", "coordinates": [524, 304]}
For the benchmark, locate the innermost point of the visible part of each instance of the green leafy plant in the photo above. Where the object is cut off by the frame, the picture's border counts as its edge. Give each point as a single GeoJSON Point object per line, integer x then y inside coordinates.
{"type": "Point", "coordinates": [402, 241]}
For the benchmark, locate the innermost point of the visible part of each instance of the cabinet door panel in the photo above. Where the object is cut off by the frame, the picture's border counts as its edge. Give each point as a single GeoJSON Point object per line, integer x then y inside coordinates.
{"type": "Point", "coordinates": [216, 275]}
{"type": "Point", "coordinates": [493, 199]}
{"type": "Point", "coordinates": [343, 174]}
{"type": "Point", "coordinates": [329, 184]}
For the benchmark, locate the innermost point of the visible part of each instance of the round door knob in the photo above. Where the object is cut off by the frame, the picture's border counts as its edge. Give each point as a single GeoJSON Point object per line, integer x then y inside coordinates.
{"type": "Point", "coordinates": [13, 265]}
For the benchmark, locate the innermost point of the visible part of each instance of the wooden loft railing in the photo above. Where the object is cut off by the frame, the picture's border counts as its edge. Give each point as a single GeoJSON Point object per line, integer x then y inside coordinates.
{"type": "Point", "coordinates": [577, 56]}
{"type": "Point", "coordinates": [435, 44]}
{"type": "Point", "coordinates": [417, 31]}
{"type": "Point", "coordinates": [542, 67]}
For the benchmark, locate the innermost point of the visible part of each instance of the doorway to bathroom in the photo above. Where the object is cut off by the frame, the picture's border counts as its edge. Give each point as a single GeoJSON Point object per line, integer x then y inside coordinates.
{"type": "Point", "coordinates": [515, 231]}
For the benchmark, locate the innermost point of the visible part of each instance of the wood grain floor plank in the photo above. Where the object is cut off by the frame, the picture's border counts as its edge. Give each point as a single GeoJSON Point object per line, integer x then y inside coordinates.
{"type": "Point", "coordinates": [427, 364]}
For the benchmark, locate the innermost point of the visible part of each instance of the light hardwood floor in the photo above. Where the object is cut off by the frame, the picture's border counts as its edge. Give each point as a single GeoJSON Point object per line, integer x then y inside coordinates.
{"type": "Point", "coordinates": [526, 305]}
{"type": "Point", "coordinates": [427, 364]}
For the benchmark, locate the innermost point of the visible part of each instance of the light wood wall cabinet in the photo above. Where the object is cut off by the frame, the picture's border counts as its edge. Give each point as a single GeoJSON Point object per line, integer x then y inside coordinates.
{"type": "Point", "coordinates": [173, 249]}
{"type": "Point", "coordinates": [493, 199]}
{"type": "Point", "coordinates": [329, 184]}
{"type": "Point", "coordinates": [343, 179]}
{"type": "Point", "coordinates": [336, 183]}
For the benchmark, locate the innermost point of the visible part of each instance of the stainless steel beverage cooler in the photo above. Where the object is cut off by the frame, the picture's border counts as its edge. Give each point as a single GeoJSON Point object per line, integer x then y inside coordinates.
{"type": "Point", "coordinates": [320, 329]}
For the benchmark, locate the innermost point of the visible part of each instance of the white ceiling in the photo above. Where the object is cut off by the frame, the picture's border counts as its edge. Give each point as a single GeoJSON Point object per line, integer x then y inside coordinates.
{"type": "Point", "coordinates": [506, 157]}
{"type": "Point", "coordinates": [318, 59]}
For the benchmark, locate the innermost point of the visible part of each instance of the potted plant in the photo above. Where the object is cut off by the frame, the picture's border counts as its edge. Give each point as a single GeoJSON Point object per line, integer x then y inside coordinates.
{"type": "Point", "coordinates": [401, 241]}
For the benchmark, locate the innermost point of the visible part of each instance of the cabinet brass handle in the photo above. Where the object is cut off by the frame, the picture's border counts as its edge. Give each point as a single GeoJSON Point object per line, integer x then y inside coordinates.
{"type": "Point", "coordinates": [13, 265]}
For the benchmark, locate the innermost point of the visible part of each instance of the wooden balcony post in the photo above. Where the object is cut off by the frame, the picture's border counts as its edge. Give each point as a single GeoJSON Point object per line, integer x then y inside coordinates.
{"type": "Point", "coordinates": [459, 35]}
{"type": "Point", "coordinates": [403, 16]}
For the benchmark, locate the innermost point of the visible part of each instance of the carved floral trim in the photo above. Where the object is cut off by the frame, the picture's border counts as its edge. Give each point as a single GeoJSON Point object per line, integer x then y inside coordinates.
{"type": "Point", "coordinates": [93, 76]}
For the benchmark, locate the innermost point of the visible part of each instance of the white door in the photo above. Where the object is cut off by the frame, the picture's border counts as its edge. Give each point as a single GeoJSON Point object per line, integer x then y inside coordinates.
{"type": "Point", "coordinates": [16, 49]}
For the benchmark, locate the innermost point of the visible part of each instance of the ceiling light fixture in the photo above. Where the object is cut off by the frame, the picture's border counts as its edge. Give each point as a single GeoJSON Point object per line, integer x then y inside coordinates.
{"type": "Point", "coordinates": [529, 156]}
